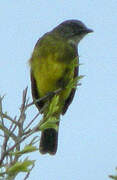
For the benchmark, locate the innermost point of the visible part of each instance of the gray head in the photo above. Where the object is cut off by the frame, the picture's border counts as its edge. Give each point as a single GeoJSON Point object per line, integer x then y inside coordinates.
{"type": "Point", "coordinates": [73, 30]}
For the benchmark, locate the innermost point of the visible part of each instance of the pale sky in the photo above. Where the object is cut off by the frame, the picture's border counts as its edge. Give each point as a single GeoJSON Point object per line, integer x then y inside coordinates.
{"type": "Point", "coordinates": [87, 148]}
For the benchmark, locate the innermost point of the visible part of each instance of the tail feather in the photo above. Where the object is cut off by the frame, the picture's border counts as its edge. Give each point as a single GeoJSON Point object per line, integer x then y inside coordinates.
{"type": "Point", "coordinates": [49, 141]}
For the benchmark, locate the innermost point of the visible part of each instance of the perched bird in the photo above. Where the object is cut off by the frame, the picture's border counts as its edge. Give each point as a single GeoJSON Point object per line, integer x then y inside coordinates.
{"type": "Point", "coordinates": [50, 64]}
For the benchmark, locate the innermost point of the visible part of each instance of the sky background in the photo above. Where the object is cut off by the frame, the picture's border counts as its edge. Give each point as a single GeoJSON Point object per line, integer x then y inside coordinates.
{"type": "Point", "coordinates": [87, 148]}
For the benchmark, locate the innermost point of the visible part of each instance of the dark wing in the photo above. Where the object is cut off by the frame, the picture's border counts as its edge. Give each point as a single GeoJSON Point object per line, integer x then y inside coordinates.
{"type": "Point", "coordinates": [71, 96]}
{"type": "Point", "coordinates": [35, 93]}
{"type": "Point", "coordinates": [34, 89]}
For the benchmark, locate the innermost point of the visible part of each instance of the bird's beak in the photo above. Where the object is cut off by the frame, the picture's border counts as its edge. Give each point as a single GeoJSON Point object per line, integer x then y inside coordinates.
{"type": "Point", "coordinates": [88, 30]}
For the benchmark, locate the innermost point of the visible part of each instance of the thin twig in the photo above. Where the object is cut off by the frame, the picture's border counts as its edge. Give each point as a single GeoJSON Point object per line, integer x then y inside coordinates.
{"type": "Point", "coordinates": [22, 115]}
{"type": "Point", "coordinates": [31, 121]}
{"type": "Point", "coordinates": [48, 96]}
{"type": "Point", "coordinates": [9, 118]}
{"type": "Point", "coordinates": [18, 132]}
{"type": "Point", "coordinates": [23, 107]}
{"type": "Point", "coordinates": [42, 109]}
{"type": "Point", "coordinates": [15, 126]}
{"type": "Point", "coordinates": [8, 133]}
{"type": "Point", "coordinates": [34, 140]}
{"type": "Point", "coordinates": [5, 143]}
{"type": "Point", "coordinates": [35, 129]}
{"type": "Point", "coordinates": [2, 119]}
{"type": "Point", "coordinates": [26, 177]}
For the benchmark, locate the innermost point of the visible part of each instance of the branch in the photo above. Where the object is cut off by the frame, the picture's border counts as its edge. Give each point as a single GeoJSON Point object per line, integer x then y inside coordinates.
{"type": "Point", "coordinates": [15, 133]}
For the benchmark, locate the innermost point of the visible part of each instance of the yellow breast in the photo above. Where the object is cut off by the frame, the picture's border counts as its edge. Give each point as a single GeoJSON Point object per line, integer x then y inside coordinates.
{"type": "Point", "coordinates": [46, 73]}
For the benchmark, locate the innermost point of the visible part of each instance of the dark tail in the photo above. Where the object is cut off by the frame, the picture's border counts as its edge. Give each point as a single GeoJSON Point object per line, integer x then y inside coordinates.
{"type": "Point", "coordinates": [49, 141]}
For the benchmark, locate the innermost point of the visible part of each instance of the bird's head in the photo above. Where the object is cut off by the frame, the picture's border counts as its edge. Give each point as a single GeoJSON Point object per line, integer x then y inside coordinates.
{"type": "Point", "coordinates": [72, 30]}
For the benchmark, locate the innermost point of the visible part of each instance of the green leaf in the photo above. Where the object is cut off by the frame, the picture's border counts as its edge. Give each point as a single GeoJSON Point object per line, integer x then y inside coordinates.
{"type": "Point", "coordinates": [80, 77]}
{"type": "Point", "coordinates": [20, 167]}
{"type": "Point", "coordinates": [50, 120]}
{"type": "Point", "coordinates": [113, 177]}
{"type": "Point", "coordinates": [27, 149]}
{"type": "Point", "coordinates": [53, 106]}
{"type": "Point", "coordinates": [51, 123]}
{"type": "Point", "coordinates": [73, 82]}
{"type": "Point", "coordinates": [1, 126]}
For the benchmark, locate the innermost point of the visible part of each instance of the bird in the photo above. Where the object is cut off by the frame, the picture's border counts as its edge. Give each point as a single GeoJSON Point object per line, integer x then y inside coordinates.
{"type": "Point", "coordinates": [51, 68]}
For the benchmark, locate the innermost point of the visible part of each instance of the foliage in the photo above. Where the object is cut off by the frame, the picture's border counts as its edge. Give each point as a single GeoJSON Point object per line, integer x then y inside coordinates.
{"type": "Point", "coordinates": [113, 177]}
{"type": "Point", "coordinates": [14, 133]}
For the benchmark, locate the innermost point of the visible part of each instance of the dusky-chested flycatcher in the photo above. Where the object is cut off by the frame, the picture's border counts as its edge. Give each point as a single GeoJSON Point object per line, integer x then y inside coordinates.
{"type": "Point", "coordinates": [50, 64]}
